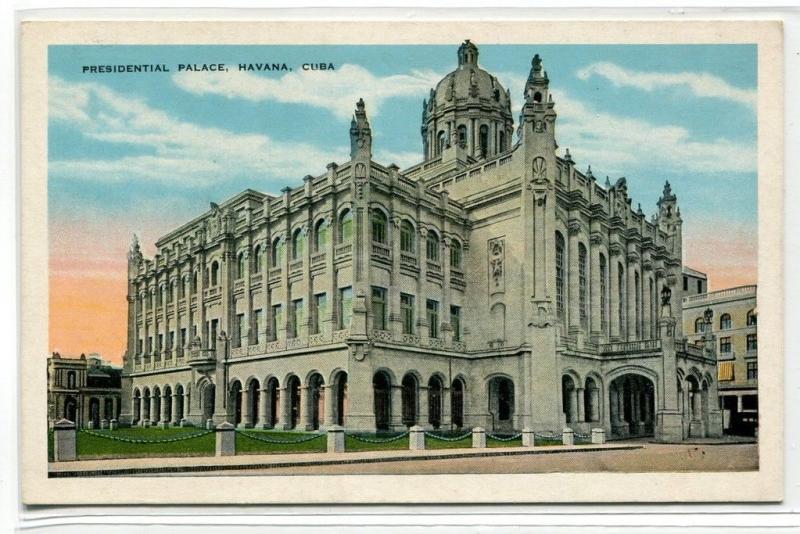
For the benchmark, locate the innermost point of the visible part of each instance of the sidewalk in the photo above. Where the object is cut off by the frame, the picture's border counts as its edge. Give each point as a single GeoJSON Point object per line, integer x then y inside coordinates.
{"type": "Point", "coordinates": [144, 466]}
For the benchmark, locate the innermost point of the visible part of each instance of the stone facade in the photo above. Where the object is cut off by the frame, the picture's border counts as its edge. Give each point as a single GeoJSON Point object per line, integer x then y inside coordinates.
{"type": "Point", "coordinates": [493, 284]}
{"type": "Point", "coordinates": [82, 390]}
{"type": "Point", "coordinates": [734, 330]}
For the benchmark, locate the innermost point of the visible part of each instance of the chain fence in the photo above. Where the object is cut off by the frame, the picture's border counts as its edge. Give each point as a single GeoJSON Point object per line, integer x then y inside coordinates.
{"type": "Point", "coordinates": [280, 441]}
{"type": "Point", "coordinates": [497, 437]}
{"type": "Point", "coordinates": [370, 440]}
{"type": "Point", "coordinates": [146, 441]}
{"type": "Point", "coordinates": [450, 439]}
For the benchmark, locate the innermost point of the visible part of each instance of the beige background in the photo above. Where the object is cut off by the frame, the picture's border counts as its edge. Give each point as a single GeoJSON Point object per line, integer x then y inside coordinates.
{"type": "Point", "coordinates": [766, 484]}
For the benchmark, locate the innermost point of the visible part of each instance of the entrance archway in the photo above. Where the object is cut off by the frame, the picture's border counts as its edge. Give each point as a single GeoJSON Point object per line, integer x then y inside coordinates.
{"type": "Point", "coordinates": [71, 409]}
{"type": "Point", "coordinates": [457, 403]}
{"type": "Point", "coordinates": [501, 403]}
{"type": "Point", "coordinates": [293, 390]}
{"type": "Point", "coordinates": [409, 399]}
{"type": "Point", "coordinates": [253, 396]}
{"type": "Point", "coordinates": [316, 399]}
{"type": "Point", "coordinates": [435, 395]}
{"type": "Point", "coordinates": [632, 406]}
{"type": "Point", "coordinates": [382, 395]}
{"type": "Point", "coordinates": [340, 401]}
{"type": "Point", "coordinates": [235, 403]}
{"type": "Point", "coordinates": [273, 397]}
{"type": "Point", "coordinates": [94, 411]}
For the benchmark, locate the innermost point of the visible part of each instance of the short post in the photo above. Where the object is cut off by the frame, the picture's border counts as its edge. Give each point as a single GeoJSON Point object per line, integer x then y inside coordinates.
{"type": "Point", "coordinates": [104, 424]}
{"type": "Point", "coordinates": [210, 424]}
{"type": "Point", "coordinates": [416, 438]}
{"type": "Point", "coordinates": [184, 423]}
{"type": "Point", "coordinates": [226, 439]}
{"type": "Point", "coordinates": [113, 424]}
{"type": "Point", "coordinates": [336, 439]}
{"type": "Point", "coordinates": [598, 436]}
{"type": "Point", "coordinates": [64, 436]}
{"type": "Point", "coordinates": [568, 437]}
{"type": "Point", "coordinates": [90, 424]}
{"type": "Point", "coordinates": [528, 437]}
{"type": "Point", "coordinates": [478, 438]}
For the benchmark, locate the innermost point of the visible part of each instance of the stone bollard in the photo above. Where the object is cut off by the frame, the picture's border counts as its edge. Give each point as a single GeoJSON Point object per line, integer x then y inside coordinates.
{"type": "Point", "coordinates": [64, 436]}
{"type": "Point", "coordinates": [226, 439]}
{"type": "Point", "coordinates": [113, 424]}
{"type": "Point", "coordinates": [103, 424]}
{"type": "Point", "coordinates": [90, 425]}
{"type": "Point", "coordinates": [210, 424]}
{"type": "Point", "coordinates": [184, 423]}
{"type": "Point", "coordinates": [416, 438]}
{"type": "Point", "coordinates": [598, 436]}
{"type": "Point", "coordinates": [146, 423]}
{"type": "Point", "coordinates": [478, 438]}
{"type": "Point", "coordinates": [336, 439]}
{"type": "Point", "coordinates": [528, 437]}
{"type": "Point", "coordinates": [568, 437]}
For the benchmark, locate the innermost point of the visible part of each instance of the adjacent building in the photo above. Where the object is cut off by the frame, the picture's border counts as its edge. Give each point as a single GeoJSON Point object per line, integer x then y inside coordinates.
{"type": "Point", "coordinates": [83, 390]}
{"type": "Point", "coordinates": [694, 282]}
{"type": "Point", "coordinates": [493, 284]}
{"type": "Point", "coordinates": [734, 329]}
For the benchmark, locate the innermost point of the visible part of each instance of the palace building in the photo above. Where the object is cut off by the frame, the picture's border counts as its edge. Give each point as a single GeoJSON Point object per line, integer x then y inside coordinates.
{"type": "Point", "coordinates": [493, 284]}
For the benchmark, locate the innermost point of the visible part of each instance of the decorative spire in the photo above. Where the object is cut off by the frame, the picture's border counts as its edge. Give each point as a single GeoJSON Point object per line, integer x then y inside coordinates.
{"type": "Point", "coordinates": [589, 174]}
{"type": "Point", "coordinates": [608, 182]}
{"type": "Point", "coordinates": [568, 156]}
{"type": "Point", "coordinates": [360, 131]}
{"type": "Point", "coordinates": [467, 54]}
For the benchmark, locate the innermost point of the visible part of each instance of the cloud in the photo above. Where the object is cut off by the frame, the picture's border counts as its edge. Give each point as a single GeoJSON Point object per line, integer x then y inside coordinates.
{"type": "Point", "coordinates": [169, 150]}
{"type": "Point", "coordinates": [701, 84]}
{"type": "Point", "coordinates": [337, 91]}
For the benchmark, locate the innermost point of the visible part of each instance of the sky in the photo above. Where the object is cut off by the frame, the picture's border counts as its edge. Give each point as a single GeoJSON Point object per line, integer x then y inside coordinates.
{"type": "Point", "coordinates": [145, 152]}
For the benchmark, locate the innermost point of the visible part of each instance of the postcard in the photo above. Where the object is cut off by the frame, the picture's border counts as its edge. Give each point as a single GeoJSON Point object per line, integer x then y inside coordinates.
{"type": "Point", "coordinates": [396, 262]}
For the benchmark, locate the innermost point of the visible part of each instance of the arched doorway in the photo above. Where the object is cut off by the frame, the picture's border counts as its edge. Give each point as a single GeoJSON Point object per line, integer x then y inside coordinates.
{"type": "Point", "coordinates": [316, 398]}
{"type": "Point", "coordinates": [108, 409]}
{"type": "Point", "coordinates": [146, 405]}
{"type": "Point", "coordinates": [155, 406]}
{"type": "Point", "coordinates": [137, 406]}
{"type": "Point", "coordinates": [94, 411]}
{"type": "Point", "coordinates": [457, 403]}
{"type": "Point", "coordinates": [293, 390]}
{"type": "Point", "coordinates": [235, 403]}
{"type": "Point", "coordinates": [382, 394]}
{"type": "Point", "coordinates": [178, 404]}
{"type": "Point", "coordinates": [409, 399]}
{"type": "Point", "coordinates": [697, 404]}
{"type": "Point", "coordinates": [435, 394]}
{"type": "Point", "coordinates": [71, 409]}
{"type": "Point", "coordinates": [569, 405]}
{"type": "Point", "coordinates": [273, 397]}
{"type": "Point", "coordinates": [501, 403]}
{"type": "Point", "coordinates": [591, 400]}
{"type": "Point", "coordinates": [167, 400]}
{"type": "Point", "coordinates": [632, 406]}
{"type": "Point", "coordinates": [253, 397]}
{"type": "Point", "coordinates": [339, 405]}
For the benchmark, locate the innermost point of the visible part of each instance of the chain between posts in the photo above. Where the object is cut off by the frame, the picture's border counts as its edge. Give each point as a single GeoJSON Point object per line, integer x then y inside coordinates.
{"type": "Point", "coordinates": [280, 441]}
{"type": "Point", "coordinates": [368, 440]}
{"type": "Point", "coordinates": [510, 438]}
{"type": "Point", "coordinates": [443, 438]}
{"type": "Point", "coordinates": [146, 441]}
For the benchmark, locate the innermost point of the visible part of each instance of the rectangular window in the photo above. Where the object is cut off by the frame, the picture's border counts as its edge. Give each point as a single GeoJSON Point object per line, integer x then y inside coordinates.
{"type": "Point", "coordinates": [182, 339]}
{"type": "Point", "coordinates": [140, 347]}
{"type": "Point", "coordinates": [433, 318]}
{"type": "Point", "coordinates": [171, 340]}
{"type": "Point", "coordinates": [725, 345]}
{"type": "Point", "coordinates": [276, 320]}
{"type": "Point", "coordinates": [240, 329]}
{"type": "Point", "coordinates": [752, 342]}
{"type": "Point", "coordinates": [160, 345]}
{"type": "Point", "coordinates": [750, 402]}
{"type": "Point", "coordinates": [345, 307]}
{"type": "Point", "coordinates": [699, 286]}
{"type": "Point", "coordinates": [752, 370]}
{"type": "Point", "coordinates": [259, 324]}
{"type": "Point", "coordinates": [378, 308]}
{"type": "Point", "coordinates": [320, 311]}
{"type": "Point", "coordinates": [685, 283]}
{"type": "Point", "coordinates": [298, 317]}
{"type": "Point", "coordinates": [407, 312]}
{"type": "Point", "coordinates": [213, 340]}
{"type": "Point", "coordinates": [455, 322]}
{"type": "Point", "coordinates": [603, 289]}
{"type": "Point", "coordinates": [560, 276]}
{"type": "Point", "coordinates": [149, 344]}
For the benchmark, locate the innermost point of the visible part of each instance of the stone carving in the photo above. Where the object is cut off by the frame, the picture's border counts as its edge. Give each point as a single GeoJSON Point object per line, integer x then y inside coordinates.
{"type": "Point", "coordinates": [539, 171]}
{"type": "Point", "coordinates": [539, 126]}
{"type": "Point", "coordinates": [496, 266]}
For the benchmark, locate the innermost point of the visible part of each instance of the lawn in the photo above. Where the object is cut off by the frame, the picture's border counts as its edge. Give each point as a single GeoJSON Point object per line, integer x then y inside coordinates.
{"type": "Point", "coordinates": [433, 443]}
{"type": "Point", "coordinates": [110, 444]}
{"type": "Point", "coordinates": [352, 444]}
{"type": "Point", "coordinates": [248, 442]}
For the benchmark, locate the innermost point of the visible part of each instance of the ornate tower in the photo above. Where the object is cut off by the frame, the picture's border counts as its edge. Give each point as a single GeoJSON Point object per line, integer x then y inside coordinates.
{"type": "Point", "coordinates": [134, 262]}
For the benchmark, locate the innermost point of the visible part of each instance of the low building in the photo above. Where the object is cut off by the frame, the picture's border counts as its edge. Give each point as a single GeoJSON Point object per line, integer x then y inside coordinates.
{"type": "Point", "coordinates": [82, 390]}
{"type": "Point", "coordinates": [694, 282]}
{"type": "Point", "coordinates": [734, 329]}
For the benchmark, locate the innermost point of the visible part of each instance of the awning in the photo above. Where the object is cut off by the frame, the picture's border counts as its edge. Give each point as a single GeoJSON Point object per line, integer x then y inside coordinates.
{"type": "Point", "coordinates": [724, 371]}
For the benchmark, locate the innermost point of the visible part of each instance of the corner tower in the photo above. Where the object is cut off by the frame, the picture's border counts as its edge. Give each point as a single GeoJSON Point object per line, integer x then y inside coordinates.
{"type": "Point", "coordinates": [468, 109]}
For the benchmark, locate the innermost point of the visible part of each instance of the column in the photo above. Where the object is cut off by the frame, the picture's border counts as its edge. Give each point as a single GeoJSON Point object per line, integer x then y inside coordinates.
{"type": "Point", "coordinates": [330, 256]}
{"type": "Point", "coordinates": [286, 409]}
{"type": "Point", "coordinates": [201, 302]}
{"type": "Point", "coordinates": [397, 405]}
{"type": "Point", "coordinates": [187, 402]}
{"type": "Point", "coordinates": [164, 320]}
{"type": "Point", "coordinates": [330, 393]}
{"type": "Point", "coordinates": [647, 305]}
{"type": "Point", "coordinates": [447, 412]}
{"type": "Point", "coordinates": [176, 417]}
{"type": "Point", "coordinates": [423, 417]}
{"type": "Point", "coordinates": [446, 330]}
{"type": "Point", "coordinates": [616, 333]}
{"type": "Point", "coordinates": [579, 401]}
{"type": "Point", "coordinates": [395, 324]}
{"type": "Point", "coordinates": [187, 307]}
{"type": "Point", "coordinates": [422, 312]}
{"type": "Point", "coordinates": [247, 415]}
{"type": "Point", "coordinates": [164, 407]}
{"type": "Point", "coordinates": [304, 417]}
{"type": "Point", "coordinates": [263, 412]}
{"type": "Point", "coordinates": [247, 337]}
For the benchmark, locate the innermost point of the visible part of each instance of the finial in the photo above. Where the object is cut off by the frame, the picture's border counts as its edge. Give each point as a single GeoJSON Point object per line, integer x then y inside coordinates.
{"type": "Point", "coordinates": [360, 104]}
{"type": "Point", "coordinates": [639, 211]}
{"type": "Point", "coordinates": [536, 63]}
{"type": "Point", "coordinates": [608, 182]}
{"type": "Point", "coordinates": [589, 174]}
{"type": "Point", "coordinates": [568, 156]}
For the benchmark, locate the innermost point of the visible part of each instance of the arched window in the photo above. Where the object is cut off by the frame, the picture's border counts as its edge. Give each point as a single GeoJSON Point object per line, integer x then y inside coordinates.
{"type": "Point", "coordinates": [484, 140]}
{"type": "Point", "coordinates": [560, 275]}
{"type": "Point", "coordinates": [623, 328]}
{"type": "Point", "coordinates": [462, 136]}
{"type": "Point", "coordinates": [184, 287]}
{"type": "Point", "coordinates": [407, 237]}
{"type": "Point", "coordinates": [277, 252]}
{"type": "Point", "coordinates": [214, 273]}
{"type": "Point", "coordinates": [379, 227]}
{"type": "Point", "coordinates": [537, 97]}
{"type": "Point", "coordinates": [582, 272]}
{"type": "Point", "coordinates": [240, 265]}
{"type": "Point", "coordinates": [502, 140]}
{"type": "Point", "coordinates": [725, 321]}
{"type": "Point", "coordinates": [298, 244]}
{"type": "Point", "coordinates": [699, 325]}
{"type": "Point", "coordinates": [432, 247]}
{"type": "Point", "coordinates": [456, 255]}
{"type": "Point", "coordinates": [346, 226]}
{"type": "Point", "coordinates": [71, 380]}
{"type": "Point", "coordinates": [321, 235]}
{"type": "Point", "coordinates": [638, 305]}
{"type": "Point", "coordinates": [440, 142]}
{"type": "Point", "coordinates": [752, 318]}
{"type": "Point", "coordinates": [258, 257]}
{"type": "Point", "coordinates": [603, 293]}
{"type": "Point", "coordinates": [194, 282]}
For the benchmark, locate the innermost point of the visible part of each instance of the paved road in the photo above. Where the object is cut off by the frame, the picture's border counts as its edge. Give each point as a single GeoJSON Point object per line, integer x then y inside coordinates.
{"type": "Point", "coordinates": [651, 458]}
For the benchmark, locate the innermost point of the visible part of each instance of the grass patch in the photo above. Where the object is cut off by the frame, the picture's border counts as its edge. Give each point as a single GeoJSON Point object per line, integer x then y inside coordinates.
{"type": "Point", "coordinates": [496, 443]}
{"type": "Point", "coordinates": [102, 446]}
{"type": "Point", "coordinates": [352, 444]}
{"type": "Point", "coordinates": [433, 443]}
{"type": "Point", "coordinates": [543, 442]}
{"type": "Point", "coordinates": [246, 443]}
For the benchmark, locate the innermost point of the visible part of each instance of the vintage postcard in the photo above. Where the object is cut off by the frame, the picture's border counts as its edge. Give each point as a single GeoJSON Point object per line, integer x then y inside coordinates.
{"type": "Point", "coordinates": [402, 262]}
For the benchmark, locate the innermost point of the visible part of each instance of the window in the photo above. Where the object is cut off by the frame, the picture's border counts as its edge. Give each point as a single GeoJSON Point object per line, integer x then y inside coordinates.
{"type": "Point", "coordinates": [171, 340]}
{"type": "Point", "coordinates": [725, 321]}
{"type": "Point", "coordinates": [160, 342]}
{"type": "Point", "coordinates": [298, 317]}
{"type": "Point", "coordinates": [560, 275]}
{"type": "Point", "coordinates": [379, 226]}
{"type": "Point", "coordinates": [699, 326]}
{"type": "Point", "coordinates": [637, 297]}
{"type": "Point", "coordinates": [298, 244]}
{"type": "Point", "coordinates": [321, 235]}
{"type": "Point", "coordinates": [407, 312]}
{"type": "Point", "coordinates": [71, 379]}
{"type": "Point", "coordinates": [214, 273]}
{"type": "Point", "coordinates": [433, 318]}
{"type": "Point", "coordinates": [752, 370]}
{"type": "Point", "coordinates": [455, 322]}
{"type": "Point", "coordinates": [240, 329]}
{"type": "Point", "coordinates": [751, 318]}
{"type": "Point", "coordinates": [183, 287]}
{"type": "Point", "coordinates": [725, 345]}
{"type": "Point", "coordinates": [258, 257]}
{"type": "Point", "coordinates": [582, 268]}
{"type": "Point", "coordinates": [345, 307]}
{"type": "Point", "coordinates": [432, 247]}
{"type": "Point", "coordinates": [686, 283]}
{"type": "Point", "coordinates": [259, 324]}
{"type": "Point", "coordinates": [320, 311]}
{"type": "Point", "coordinates": [140, 346]}
{"type": "Point", "coordinates": [699, 286]}
{"type": "Point", "coordinates": [378, 308]}
{"type": "Point", "coordinates": [440, 142]}
{"type": "Point", "coordinates": [752, 342]}
{"type": "Point", "coordinates": [484, 140]}
{"type": "Point", "coordinates": [623, 327]}
{"type": "Point", "coordinates": [407, 237]}
{"type": "Point", "coordinates": [502, 140]}
{"type": "Point", "coordinates": [750, 402]}
{"type": "Point", "coordinates": [149, 344]}
{"type": "Point", "coordinates": [456, 255]}
{"type": "Point", "coordinates": [276, 321]}
{"type": "Point", "coordinates": [346, 226]}
{"type": "Point", "coordinates": [277, 252]}
{"type": "Point", "coordinates": [603, 289]}
{"type": "Point", "coordinates": [182, 339]}
{"type": "Point", "coordinates": [240, 266]}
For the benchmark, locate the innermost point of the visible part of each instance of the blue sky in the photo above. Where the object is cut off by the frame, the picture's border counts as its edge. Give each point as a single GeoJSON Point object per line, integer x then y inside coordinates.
{"type": "Point", "coordinates": [145, 152]}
